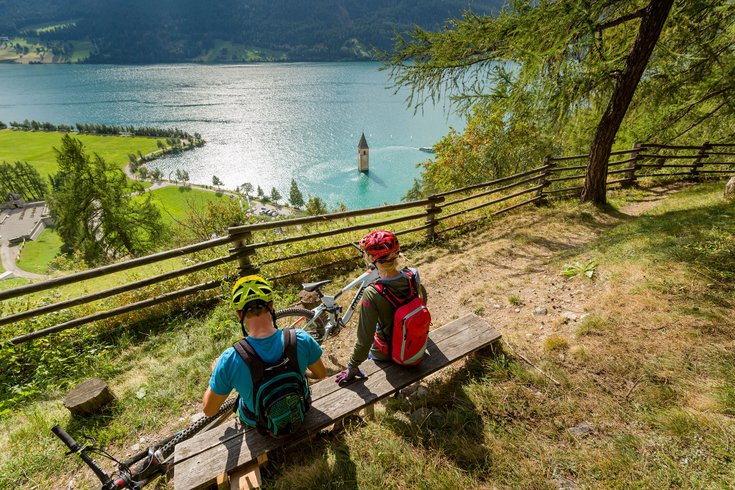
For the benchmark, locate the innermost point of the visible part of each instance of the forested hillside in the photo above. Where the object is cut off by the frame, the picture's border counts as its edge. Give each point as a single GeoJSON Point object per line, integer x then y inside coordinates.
{"type": "Point", "coordinates": [137, 31]}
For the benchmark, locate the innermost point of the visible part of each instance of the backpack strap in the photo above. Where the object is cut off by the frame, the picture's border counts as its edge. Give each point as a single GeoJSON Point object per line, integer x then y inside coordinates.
{"type": "Point", "coordinates": [256, 366]}
{"type": "Point", "coordinates": [411, 272]}
{"type": "Point", "coordinates": [289, 349]}
{"type": "Point", "coordinates": [252, 360]}
{"type": "Point", "coordinates": [411, 276]}
{"type": "Point", "coordinates": [389, 295]}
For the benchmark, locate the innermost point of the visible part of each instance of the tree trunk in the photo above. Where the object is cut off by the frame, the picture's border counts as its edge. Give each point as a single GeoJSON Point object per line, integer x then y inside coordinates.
{"type": "Point", "coordinates": [651, 24]}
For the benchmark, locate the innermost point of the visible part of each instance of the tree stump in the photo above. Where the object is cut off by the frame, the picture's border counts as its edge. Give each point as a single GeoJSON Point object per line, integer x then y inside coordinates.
{"type": "Point", "coordinates": [88, 397]}
{"type": "Point", "coordinates": [730, 189]}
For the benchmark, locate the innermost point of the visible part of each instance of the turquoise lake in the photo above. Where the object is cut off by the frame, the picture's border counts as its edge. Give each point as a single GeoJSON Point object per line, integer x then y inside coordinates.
{"type": "Point", "coordinates": [263, 123]}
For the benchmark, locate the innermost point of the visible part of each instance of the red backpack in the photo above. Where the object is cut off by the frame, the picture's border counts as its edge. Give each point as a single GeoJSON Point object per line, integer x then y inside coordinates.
{"type": "Point", "coordinates": [406, 343]}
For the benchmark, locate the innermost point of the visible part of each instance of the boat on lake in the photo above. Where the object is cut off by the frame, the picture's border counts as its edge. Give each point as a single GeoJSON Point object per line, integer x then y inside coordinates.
{"type": "Point", "coordinates": [427, 149]}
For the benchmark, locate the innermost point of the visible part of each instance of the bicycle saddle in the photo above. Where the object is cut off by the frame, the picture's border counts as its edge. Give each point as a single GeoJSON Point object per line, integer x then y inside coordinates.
{"type": "Point", "coordinates": [313, 286]}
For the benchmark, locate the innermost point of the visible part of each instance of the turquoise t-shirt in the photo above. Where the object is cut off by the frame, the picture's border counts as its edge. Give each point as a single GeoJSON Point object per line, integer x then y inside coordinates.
{"type": "Point", "coordinates": [231, 372]}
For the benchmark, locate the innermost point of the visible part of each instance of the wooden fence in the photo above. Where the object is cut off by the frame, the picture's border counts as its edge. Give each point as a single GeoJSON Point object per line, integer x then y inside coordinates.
{"type": "Point", "coordinates": [281, 249]}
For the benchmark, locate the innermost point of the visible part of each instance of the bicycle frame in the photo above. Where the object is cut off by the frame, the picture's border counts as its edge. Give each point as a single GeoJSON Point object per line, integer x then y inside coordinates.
{"type": "Point", "coordinates": [152, 462]}
{"type": "Point", "coordinates": [330, 306]}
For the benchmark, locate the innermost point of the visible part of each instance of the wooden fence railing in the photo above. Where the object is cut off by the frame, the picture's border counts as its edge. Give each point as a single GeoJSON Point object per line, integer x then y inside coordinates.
{"type": "Point", "coordinates": [282, 249]}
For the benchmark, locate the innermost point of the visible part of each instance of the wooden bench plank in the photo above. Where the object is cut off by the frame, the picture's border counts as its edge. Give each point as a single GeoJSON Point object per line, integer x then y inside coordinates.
{"type": "Point", "coordinates": [216, 436]}
{"type": "Point", "coordinates": [236, 448]}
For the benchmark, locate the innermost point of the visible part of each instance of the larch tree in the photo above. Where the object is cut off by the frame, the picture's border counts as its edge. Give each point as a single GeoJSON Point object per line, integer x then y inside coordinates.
{"type": "Point", "coordinates": [246, 188]}
{"type": "Point", "coordinates": [295, 197]}
{"type": "Point", "coordinates": [95, 208]}
{"type": "Point", "coordinates": [565, 75]}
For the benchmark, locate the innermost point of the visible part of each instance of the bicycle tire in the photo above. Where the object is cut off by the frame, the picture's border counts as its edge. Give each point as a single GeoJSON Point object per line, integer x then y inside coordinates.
{"type": "Point", "coordinates": [300, 317]}
{"type": "Point", "coordinates": [227, 407]}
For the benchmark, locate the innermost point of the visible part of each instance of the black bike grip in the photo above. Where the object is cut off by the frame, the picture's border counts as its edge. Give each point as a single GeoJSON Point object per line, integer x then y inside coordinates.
{"type": "Point", "coordinates": [65, 438]}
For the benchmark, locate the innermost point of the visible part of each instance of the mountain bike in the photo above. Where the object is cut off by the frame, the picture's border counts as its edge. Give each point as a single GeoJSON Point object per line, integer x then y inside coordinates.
{"type": "Point", "coordinates": [148, 464]}
{"type": "Point", "coordinates": [325, 318]}
{"type": "Point", "coordinates": [157, 459]}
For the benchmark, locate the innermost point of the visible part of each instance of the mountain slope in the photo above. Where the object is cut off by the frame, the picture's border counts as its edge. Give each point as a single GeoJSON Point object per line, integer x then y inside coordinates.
{"type": "Point", "coordinates": [138, 31]}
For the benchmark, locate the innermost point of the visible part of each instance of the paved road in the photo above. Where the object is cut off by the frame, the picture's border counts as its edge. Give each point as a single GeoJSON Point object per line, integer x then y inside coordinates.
{"type": "Point", "coordinates": [13, 223]}
{"type": "Point", "coordinates": [8, 255]}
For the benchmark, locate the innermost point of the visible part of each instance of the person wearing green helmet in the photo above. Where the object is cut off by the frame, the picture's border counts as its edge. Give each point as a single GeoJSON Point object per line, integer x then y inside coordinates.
{"type": "Point", "coordinates": [265, 349]}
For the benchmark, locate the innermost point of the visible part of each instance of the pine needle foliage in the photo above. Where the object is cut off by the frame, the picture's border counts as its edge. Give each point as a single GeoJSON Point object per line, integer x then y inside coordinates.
{"type": "Point", "coordinates": [536, 79]}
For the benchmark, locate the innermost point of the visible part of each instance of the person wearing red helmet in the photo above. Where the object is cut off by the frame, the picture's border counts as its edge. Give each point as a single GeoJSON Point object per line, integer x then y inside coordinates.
{"type": "Point", "coordinates": [382, 250]}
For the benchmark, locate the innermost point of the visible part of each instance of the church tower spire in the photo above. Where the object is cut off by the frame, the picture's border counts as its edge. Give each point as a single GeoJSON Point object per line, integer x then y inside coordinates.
{"type": "Point", "coordinates": [363, 154]}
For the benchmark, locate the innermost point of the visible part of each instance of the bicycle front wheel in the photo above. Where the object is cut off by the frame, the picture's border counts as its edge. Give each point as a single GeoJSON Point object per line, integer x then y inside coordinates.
{"type": "Point", "coordinates": [299, 318]}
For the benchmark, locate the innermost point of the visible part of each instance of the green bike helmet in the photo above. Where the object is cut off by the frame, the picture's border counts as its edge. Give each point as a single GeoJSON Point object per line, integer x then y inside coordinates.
{"type": "Point", "coordinates": [249, 289]}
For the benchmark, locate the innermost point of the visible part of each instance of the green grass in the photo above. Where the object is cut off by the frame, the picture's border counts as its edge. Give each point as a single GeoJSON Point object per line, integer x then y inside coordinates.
{"type": "Point", "coordinates": [38, 254]}
{"type": "Point", "coordinates": [655, 382]}
{"type": "Point", "coordinates": [80, 52]}
{"type": "Point", "coordinates": [81, 49]}
{"type": "Point", "coordinates": [13, 283]}
{"type": "Point", "coordinates": [229, 52]}
{"type": "Point", "coordinates": [37, 148]}
{"type": "Point", "coordinates": [175, 202]}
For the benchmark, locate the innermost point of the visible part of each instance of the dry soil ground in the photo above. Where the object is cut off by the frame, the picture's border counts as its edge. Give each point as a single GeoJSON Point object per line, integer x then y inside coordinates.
{"type": "Point", "coordinates": [506, 271]}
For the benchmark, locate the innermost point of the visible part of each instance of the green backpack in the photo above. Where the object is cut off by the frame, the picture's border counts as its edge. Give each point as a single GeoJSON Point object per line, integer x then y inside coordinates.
{"type": "Point", "coordinates": [281, 394]}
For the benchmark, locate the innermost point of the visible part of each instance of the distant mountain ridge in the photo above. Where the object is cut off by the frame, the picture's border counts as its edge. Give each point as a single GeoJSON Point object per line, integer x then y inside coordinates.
{"type": "Point", "coordinates": [142, 31]}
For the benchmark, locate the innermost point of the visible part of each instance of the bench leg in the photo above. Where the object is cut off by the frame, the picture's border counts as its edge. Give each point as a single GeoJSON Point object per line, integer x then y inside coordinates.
{"type": "Point", "coordinates": [370, 412]}
{"type": "Point", "coordinates": [248, 477]}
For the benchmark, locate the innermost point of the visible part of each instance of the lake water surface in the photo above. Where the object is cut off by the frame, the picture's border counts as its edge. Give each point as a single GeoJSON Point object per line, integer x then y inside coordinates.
{"type": "Point", "coordinates": [263, 123]}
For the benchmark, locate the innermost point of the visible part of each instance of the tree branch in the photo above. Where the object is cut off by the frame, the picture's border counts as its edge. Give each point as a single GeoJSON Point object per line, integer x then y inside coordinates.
{"type": "Point", "coordinates": [701, 120]}
{"type": "Point", "coordinates": [620, 20]}
{"type": "Point", "coordinates": [691, 106]}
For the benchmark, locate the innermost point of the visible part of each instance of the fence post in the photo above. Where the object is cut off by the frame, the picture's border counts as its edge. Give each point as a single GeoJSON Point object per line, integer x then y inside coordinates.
{"type": "Point", "coordinates": [544, 180]}
{"type": "Point", "coordinates": [694, 173]}
{"type": "Point", "coordinates": [633, 165]}
{"type": "Point", "coordinates": [244, 265]}
{"type": "Point", "coordinates": [431, 211]}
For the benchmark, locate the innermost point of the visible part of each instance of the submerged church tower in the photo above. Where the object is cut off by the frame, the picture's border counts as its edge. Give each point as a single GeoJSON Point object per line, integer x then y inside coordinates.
{"type": "Point", "coordinates": [363, 154]}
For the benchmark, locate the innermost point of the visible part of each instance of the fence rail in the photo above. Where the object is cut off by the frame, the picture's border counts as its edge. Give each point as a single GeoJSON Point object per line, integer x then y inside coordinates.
{"type": "Point", "coordinates": [269, 247]}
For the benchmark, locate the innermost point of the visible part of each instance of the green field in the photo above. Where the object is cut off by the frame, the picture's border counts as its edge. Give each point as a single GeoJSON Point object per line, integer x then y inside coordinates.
{"type": "Point", "coordinates": [15, 282]}
{"type": "Point", "coordinates": [175, 202]}
{"type": "Point", "coordinates": [36, 148]}
{"type": "Point", "coordinates": [38, 254]}
{"type": "Point", "coordinates": [42, 52]}
{"type": "Point", "coordinates": [229, 52]}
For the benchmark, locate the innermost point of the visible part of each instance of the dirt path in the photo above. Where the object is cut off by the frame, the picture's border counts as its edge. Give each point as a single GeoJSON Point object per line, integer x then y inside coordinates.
{"type": "Point", "coordinates": [516, 273]}
{"type": "Point", "coordinates": [511, 276]}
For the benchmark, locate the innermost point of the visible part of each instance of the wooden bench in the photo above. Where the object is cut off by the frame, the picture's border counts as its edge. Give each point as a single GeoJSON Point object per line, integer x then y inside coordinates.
{"type": "Point", "coordinates": [228, 456]}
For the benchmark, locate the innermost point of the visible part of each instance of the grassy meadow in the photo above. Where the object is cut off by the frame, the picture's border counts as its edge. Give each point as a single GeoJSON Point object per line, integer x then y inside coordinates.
{"type": "Point", "coordinates": [13, 283]}
{"type": "Point", "coordinates": [75, 51]}
{"type": "Point", "coordinates": [175, 202]}
{"type": "Point", "coordinates": [230, 52]}
{"type": "Point", "coordinates": [645, 396]}
{"type": "Point", "coordinates": [36, 148]}
{"type": "Point", "coordinates": [37, 255]}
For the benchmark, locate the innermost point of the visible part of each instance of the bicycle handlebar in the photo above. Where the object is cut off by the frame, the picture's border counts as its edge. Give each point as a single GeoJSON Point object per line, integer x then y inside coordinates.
{"type": "Point", "coordinates": [65, 438]}
{"type": "Point", "coordinates": [75, 447]}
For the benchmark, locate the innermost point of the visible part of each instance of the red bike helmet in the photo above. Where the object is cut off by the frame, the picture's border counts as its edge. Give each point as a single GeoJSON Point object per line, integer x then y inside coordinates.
{"type": "Point", "coordinates": [380, 244]}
